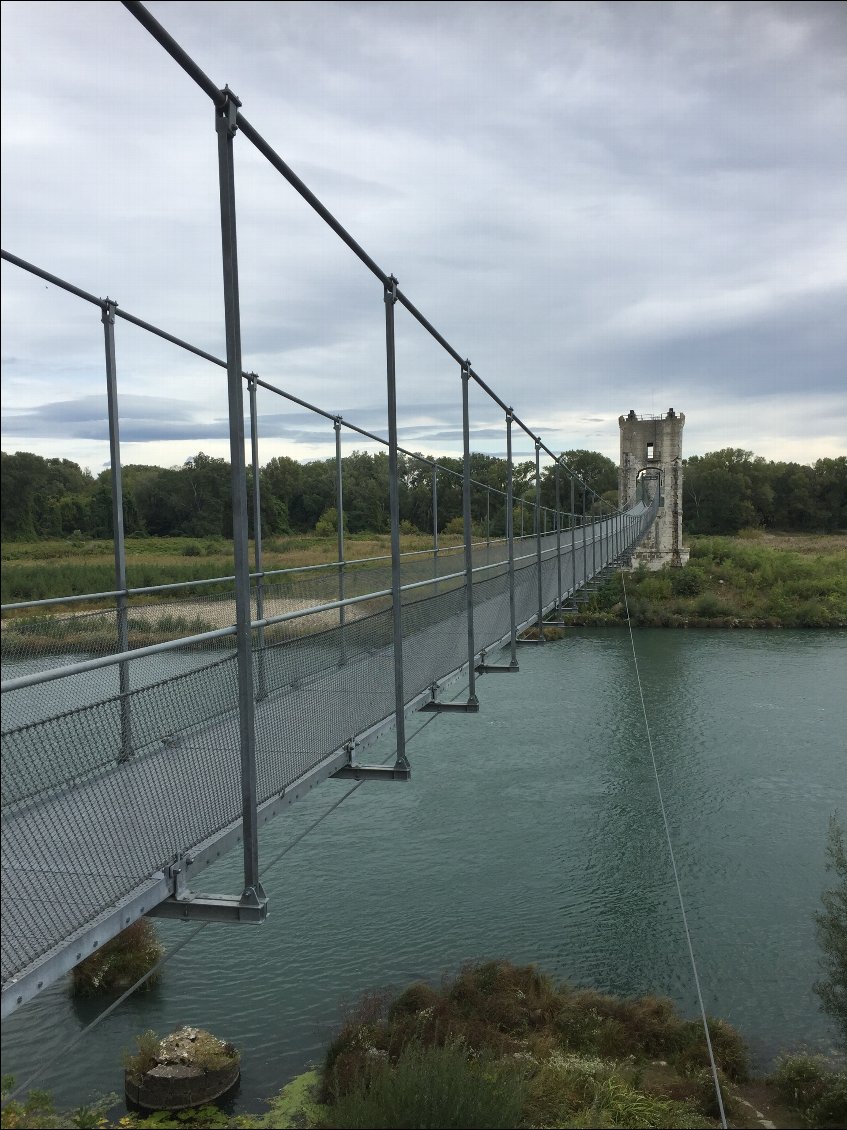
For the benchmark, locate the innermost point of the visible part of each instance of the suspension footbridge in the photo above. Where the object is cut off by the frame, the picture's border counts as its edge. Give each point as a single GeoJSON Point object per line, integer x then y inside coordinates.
{"type": "Point", "coordinates": [136, 754]}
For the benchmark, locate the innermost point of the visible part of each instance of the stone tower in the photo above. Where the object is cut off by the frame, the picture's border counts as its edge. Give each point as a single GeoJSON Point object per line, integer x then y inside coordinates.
{"type": "Point", "coordinates": [651, 462]}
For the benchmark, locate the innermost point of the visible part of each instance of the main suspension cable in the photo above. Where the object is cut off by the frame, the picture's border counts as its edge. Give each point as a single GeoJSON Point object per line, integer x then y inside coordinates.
{"type": "Point", "coordinates": [714, 1066]}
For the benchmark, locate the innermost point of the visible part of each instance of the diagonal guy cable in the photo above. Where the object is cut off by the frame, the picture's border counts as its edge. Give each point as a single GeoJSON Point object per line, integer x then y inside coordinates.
{"type": "Point", "coordinates": [714, 1067]}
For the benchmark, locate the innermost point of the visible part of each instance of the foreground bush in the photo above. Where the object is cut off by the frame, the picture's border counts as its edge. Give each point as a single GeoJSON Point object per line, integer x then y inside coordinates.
{"type": "Point", "coordinates": [434, 1086]}
{"type": "Point", "coordinates": [818, 1093]}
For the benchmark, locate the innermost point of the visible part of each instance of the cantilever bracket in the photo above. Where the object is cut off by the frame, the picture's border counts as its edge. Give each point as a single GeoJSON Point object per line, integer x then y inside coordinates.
{"type": "Point", "coordinates": [396, 772]}
{"type": "Point", "coordinates": [435, 707]}
{"type": "Point", "coordinates": [469, 707]}
{"type": "Point", "coordinates": [250, 906]}
{"type": "Point", "coordinates": [214, 908]}
{"type": "Point", "coordinates": [401, 770]}
{"type": "Point", "coordinates": [483, 668]}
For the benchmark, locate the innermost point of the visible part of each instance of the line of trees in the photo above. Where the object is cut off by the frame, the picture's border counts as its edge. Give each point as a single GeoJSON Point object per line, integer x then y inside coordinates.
{"type": "Point", "coordinates": [724, 491]}
{"type": "Point", "coordinates": [732, 489]}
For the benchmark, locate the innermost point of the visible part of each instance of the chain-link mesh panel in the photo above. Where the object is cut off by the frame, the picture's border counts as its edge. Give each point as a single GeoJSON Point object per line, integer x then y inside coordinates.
{"type": "Point", "coordinates": [82, 827]}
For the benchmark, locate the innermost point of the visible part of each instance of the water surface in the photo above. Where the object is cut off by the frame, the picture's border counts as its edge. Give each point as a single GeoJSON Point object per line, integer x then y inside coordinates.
{"type": "Point", "coordinates": [531, 831]}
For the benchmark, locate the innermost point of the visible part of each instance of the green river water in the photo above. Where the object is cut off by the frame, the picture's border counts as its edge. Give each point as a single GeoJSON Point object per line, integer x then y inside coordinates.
{"type": "Point", "coordinates": [531, 831]}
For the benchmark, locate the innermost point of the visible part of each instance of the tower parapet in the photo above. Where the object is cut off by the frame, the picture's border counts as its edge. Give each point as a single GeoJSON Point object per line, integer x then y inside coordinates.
{"type": "Point", "coordinates": [651, 463]}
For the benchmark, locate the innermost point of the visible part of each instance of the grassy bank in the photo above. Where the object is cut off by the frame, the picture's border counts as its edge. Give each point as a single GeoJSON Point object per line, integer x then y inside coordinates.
{"type": "Point", "coordinates": [755, 580]}
{"type": "Point", "coordinates": [502, 1045]}
{"type": "Point", "coordinates": [43, 569]}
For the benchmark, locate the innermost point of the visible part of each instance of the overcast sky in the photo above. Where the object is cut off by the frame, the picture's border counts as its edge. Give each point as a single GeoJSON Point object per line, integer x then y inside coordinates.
{"type": "Point", "coordinates": [604, 206]}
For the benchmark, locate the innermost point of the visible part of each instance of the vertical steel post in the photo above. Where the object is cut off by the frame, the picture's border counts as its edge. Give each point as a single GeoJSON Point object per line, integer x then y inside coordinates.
{"type": "Point", "coordinates": [466, 513]}
{"type": "Point", "coordinates": [540, 586]}
{"type": "Point", "coordinates": [339, 525]}
{"type": "Point", "coordinates": [226, 126]}
{"type": "Point", "coordinates": [593, 541]}
{"type": "Point", "coordinates": [435, 526]}
{"type": "Point", "coordinates": [487, 522]}
{"type": "Point", "coordinates": [584, 545]}
{"type": "Point", "coordinates": [558, 540]}
{"type": "Point", "coordinates": [261, 690]}
{"type": "Point", "coordinates": [119, 541]}
{"type": "Point", "coordinates": [510, 537]}
{"type": "Point", "coordinates": [390, 300]}
{"type": "Point", "coordinates": [573, 540]}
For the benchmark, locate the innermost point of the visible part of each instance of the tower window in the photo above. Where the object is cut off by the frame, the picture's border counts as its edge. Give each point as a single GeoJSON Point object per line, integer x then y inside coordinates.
{"type": "Point", "coordinates": [650, 451]}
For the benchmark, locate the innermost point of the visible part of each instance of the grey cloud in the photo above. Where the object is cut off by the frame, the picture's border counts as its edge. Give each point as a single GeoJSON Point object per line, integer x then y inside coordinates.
{"type": "Point", "coordinates": [605, 157]}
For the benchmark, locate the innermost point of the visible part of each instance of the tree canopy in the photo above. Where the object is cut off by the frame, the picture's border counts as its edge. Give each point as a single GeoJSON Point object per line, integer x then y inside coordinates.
{"type": "Point", "coordinates": [723, 491]}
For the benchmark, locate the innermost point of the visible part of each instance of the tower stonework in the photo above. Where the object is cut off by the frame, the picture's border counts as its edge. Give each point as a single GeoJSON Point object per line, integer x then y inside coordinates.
{"type": "Point", "coordinates": [651, 462]}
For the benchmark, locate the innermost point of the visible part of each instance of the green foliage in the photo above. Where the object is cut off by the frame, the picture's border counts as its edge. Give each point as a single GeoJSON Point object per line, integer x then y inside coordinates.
{"type": "Point", "coordinates": [724, 492]}
{"type": "Point", "coordinates": [687, 582]}
{"type": "Point", "coordinates": [195, 1118]}
{"type": "Point", "coordinates": [296, 1104]}
{"type": "Point", "coordinates": [579, 1058]}
{"type": "Point", "coordinates": [120, 962]}
{"type": "Point", "coordinates": [145, 1056]}
{"type": "Point", "coordinates": [434, 1086]}
{"type": "Point", "coordinates": [832, 932]}
{"type": "Point", "coordinates": [38, 1111]}
{"type": "Point", "coordinates": [735, 582]}
{"type": "Point", "coordinates": [820, 1094]}
{"type": "Point", "coordinates": [192, 550]}
{"type": "Point", "coordinates": [709, 606]}
{"type": "Point", "coordinates": [327, 524]}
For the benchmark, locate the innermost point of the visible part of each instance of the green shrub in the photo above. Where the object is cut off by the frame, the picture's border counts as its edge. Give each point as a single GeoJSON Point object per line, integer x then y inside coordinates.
{"type": "Point", "coordinates": [706, 1096]}
{"type": "Point", "coordinates": [709, 606]}
{"type": "Point", "coordinates": [829, 1110]}
{"type": "Point", "coordinates": [145, 1056]}
{"type": "Point", "coordinates": [435, 1086]}
{"type": "Point", "coordinates": [728, 1047]}
{"type": "Point", "coordinates": [192, 550]}
{"type": "Point", "coordinates": [832, 931]}
{"type": "Point", "coordinates": [413, 1000]}
{"type": "Point", "coordinates": [120, 962]}
{"type": "Point", "coordinates": [686, 582]}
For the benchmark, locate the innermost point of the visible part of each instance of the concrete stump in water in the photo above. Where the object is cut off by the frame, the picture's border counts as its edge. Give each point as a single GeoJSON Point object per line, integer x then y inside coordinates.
{"type": "Point", "coordinates": [191, 1067]}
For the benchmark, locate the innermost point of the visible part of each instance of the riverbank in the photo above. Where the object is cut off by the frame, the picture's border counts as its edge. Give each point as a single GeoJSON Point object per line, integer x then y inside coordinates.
{"type": "Point", "coordinates": [503, 1045]}
{"type": "Point", "coordinates": [755, 580]}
